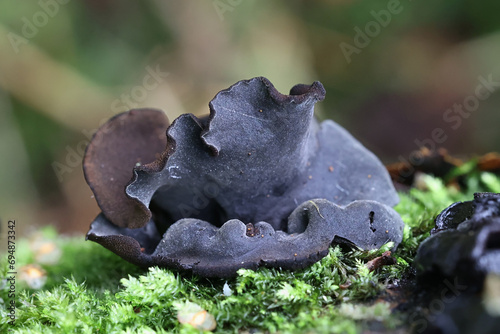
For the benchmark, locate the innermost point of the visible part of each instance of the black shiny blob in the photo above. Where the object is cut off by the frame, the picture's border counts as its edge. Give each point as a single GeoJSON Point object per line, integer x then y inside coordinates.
{"type": "Point", "coordinates": [465, 243]}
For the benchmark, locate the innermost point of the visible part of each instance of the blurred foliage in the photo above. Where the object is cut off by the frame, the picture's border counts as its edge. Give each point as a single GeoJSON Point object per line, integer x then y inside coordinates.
{"type": "Point", "coordinates": [59, 77]}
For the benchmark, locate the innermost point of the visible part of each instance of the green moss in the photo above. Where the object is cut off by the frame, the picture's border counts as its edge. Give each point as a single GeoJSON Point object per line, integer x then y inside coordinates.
{"type": "Point", "coordinates": [91, 290]}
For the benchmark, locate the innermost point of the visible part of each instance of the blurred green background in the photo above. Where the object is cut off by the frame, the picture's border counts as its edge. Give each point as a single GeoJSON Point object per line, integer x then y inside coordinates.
{"type": "Point", "coordinates": [392, 71]}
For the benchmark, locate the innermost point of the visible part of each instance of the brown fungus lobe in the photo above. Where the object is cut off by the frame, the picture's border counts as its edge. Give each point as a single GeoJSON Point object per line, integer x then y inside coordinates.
{"type": "Point", "coordinates": [128, 139]}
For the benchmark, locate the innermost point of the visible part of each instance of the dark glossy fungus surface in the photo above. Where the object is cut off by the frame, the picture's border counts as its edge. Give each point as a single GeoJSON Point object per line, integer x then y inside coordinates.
{"type": "Point", "coordinates": [465, 243]}
{"type": "Point", "coordinates": [256, 183]}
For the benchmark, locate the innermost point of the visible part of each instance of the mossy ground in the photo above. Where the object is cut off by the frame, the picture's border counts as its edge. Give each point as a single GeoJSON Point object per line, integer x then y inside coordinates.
{"type": "Point", "coordinates": [91, 290]}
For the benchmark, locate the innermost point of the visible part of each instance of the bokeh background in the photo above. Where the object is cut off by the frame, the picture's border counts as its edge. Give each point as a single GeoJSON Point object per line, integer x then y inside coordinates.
{"type": "Point", "coordinates": [66, 66]}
